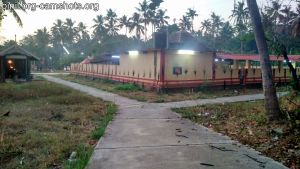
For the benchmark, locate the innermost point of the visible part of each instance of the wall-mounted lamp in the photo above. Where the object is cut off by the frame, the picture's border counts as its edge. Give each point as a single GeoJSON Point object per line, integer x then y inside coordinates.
{"type": "Point", "coordinates": [216, 60]}
{"type": "Point", "coordinates": [10, 62]}
{"type": "Point", "coordinates": [186, 52]}
{"type": "Point", "coordinates": [133, 52]}
{"type": "Point", "coordinates": [115, 56]}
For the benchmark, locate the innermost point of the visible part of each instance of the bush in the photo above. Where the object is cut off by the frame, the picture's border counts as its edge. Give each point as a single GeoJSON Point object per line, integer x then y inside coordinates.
{"type": "Point", "coordinates": [128, 87]}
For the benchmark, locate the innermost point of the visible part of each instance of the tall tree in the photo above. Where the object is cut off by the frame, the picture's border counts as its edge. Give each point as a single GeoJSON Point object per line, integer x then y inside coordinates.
{"type": "Point", "coordinates": [154, 4]}
{"type": "Point", "coordinates": [135, 24]}
{"type": "Point", "coordinates": [226, 34]}
{"type": "Point", "coordinates": [12, 10]}
{"type": "Point", "coordinates": [144, 10]}
{"type": "Point", "coordinates": [206, 27]}
{"type": "Point", "coordinates": [216, 24]}
{"type": "Point", "coordinates": [58, 33]}
{"type": "Point", "coordinates": [111, 24]}
{"type": "Point", "coordinates": [271, 101]}
{"type": "Point", "coordinates": [124, 22]}
{"type": "Point", "coordinates": [185, 23]}
{"type": "Point", "coordinates": [99, 31]}
{"type": "Point", "coordinates": [240, 14]}
{"type": "Point", "coordinates": [192, 13]}
{"type": "Point", "coordinates": [81, 32]}
{"type": "Point", "coordinates": [273, 12]}
{"type": "Point", "coordinates": [161, 18]}
{"type": "Point", "coordinates": [42, 38]}
{"type": "Point", "coordinates": [70, 31]}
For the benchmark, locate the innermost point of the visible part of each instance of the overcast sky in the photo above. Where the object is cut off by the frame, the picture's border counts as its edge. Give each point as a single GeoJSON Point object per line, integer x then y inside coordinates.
{"type": "Point", "coordinates": [33, 20]}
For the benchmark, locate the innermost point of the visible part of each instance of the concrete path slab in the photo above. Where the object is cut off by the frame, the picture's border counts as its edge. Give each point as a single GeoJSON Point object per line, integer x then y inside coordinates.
{"type": "Point", "coordinates": [180, 157]}
{"type": "Point", "coordinates": [151, 136]}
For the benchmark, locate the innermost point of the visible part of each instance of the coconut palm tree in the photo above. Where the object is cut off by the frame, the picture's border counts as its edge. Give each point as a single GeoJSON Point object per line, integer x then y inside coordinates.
{"type": "Point", "coordinates": [240, 15]}
{"type": "Point", "coordinates": [185, 23]}
{"type": "Point", "coordinates": [70, 30]}
{"type": "Point", "coordinates": [154, 4]}
{"type": "Point", "coordinates": [12, 10]}
{"type": "Point", "coordinates": [145, 11]}
{"type": "Point", "coordinates": [81, 32]}
{"type": "Point", "coordinates": [274, 12]}
{"type": "Point", "coordinates": [99, 31]}
{"type": "Point", "coordinates": [135, 24]}
{"type": "Point", "coordinates": [111, 23]}
{"type": "Point", "coordinates": [42, 38]}
{"type": "Point", "coordinates": [124, 22]}
{"type": "Point", "coordinates": [161, 18]}
{"type": "Point", "coordinates": [271, 101]}
{"type": "Point", "coordinates": [58, 33]}
{"type": "Point", "coordinates": [206, 27]}
{"type": "Point", "coordinates": [191, 13]}
{"type": "Point", "coordinates": [286, 17]}
{"type": "Point", "coordinates": [216, 24]}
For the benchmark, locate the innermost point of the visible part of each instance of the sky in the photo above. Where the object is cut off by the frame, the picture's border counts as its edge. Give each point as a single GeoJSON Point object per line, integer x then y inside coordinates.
{"type": "Point", "coordinates": [33, 20]}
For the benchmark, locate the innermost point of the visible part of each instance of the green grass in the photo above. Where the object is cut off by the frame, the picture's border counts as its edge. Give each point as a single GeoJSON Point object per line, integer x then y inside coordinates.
{"type": "Point", "coordinates": [99, 131]}
{"type": "Point", "coordinates": [83, 154]}
{"type": "Point", "coordinates": [135, 92]}
{"type": "Point", "coordinates": [47, 122]}
{"type": "Point", "coordinates": [127, 87]}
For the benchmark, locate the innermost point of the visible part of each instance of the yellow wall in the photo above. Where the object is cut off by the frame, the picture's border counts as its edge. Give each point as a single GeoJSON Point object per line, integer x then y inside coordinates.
{"type": "Point", "coordinates": [199, 62]}
{"type": "Point", "coordinates": [142, 65]}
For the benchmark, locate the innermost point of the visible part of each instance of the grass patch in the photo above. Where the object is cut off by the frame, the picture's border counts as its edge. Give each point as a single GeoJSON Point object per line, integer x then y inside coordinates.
{"type": "Point", "coordinates": [46, 123]}
{"type": "Point", "coordinates": [137, 93]}
{"type": "Point", "coordinates": [127, 87]}
{"type": "Point", "coordinates": [247, 123]}
{"type": "Point", "coordinates": [99, 131]}
{"type": "Point", "coordinates": [83, 154]}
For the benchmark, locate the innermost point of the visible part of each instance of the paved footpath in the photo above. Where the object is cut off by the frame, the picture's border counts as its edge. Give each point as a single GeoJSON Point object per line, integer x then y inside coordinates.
{"type": "Point", "coordinates": [151, 136]}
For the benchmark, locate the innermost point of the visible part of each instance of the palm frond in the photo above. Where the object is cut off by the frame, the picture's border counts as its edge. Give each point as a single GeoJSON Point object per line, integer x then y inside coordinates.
{"type": "Point", "coordinates": [17, 17]}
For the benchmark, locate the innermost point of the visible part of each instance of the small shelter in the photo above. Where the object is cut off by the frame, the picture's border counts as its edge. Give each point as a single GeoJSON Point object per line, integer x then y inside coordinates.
{"type": "Point", "coordinates": [15, 62]}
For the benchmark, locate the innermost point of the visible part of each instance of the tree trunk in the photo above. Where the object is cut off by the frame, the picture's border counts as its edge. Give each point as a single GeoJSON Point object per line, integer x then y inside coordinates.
{"type": "Point", "coordinates": [271, 101]}
{"type": "Point", "coordinates": [292, 69]}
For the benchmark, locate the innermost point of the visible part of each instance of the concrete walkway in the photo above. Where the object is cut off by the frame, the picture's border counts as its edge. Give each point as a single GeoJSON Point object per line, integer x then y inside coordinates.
{"type": "Point", "coordinates": [151, 136]}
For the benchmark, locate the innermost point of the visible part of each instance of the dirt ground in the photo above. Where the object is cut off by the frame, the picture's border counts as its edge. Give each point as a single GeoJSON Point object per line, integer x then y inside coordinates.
{"type": "Point", "coordinates": [42, 123]}
{"type": "Point", "coordinates": [247, 123]}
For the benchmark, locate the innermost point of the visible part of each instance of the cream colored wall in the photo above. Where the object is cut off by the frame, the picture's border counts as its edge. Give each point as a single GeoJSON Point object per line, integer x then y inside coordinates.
{"type": "Point", "coordinates": [252, 74]}
{"type": "Point", "coordinates": [198, 62]}
{"type": "Point", "coordinates": [145, 63]}
{"type": "Point", "coordinates": [142, 65]}
{"type": "Point", "coordinates": [223, 71]}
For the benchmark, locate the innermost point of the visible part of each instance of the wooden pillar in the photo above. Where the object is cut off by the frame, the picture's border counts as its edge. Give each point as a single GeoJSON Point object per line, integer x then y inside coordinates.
{"type": "Point", "coordinates": [2, 60]}
{"type": "Point", "coordinates": [162, 67]}
{"type": "Point", "coordinates": [26, 67]}
{"type": "Point", "coordinates": [235, 64]}
{"type": "Point", "coordinates": [248, 64]}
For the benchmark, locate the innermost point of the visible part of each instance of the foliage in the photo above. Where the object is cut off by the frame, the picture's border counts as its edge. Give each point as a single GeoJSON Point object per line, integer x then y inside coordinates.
{"type": "Point", "coordinates": [99, 131]}
{"type": "Point", "coordinates": [291, 110]}
{"type": "Point", "coordinates": [128, 87]}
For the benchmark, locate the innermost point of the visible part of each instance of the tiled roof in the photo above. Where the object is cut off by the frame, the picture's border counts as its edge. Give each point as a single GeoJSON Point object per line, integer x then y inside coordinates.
{"type": "Point", "coordinates": [17, 50]}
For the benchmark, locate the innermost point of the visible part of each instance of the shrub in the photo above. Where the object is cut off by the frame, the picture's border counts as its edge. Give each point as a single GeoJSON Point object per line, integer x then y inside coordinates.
{"type": "Point", "coordinates": [128, 87]}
